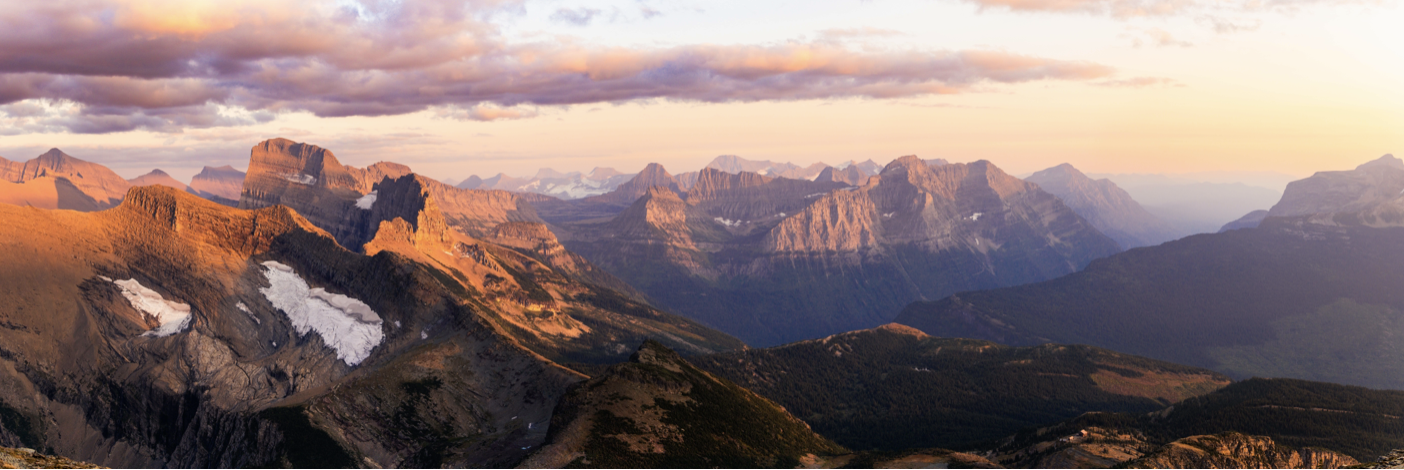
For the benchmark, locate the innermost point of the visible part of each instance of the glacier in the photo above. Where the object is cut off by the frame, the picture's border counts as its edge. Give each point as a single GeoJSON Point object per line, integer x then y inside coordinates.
{"type": "Point", "coordinates": [173, 317]}
{"type": "Point", "coordinates": [347, 325]}
{"type": "Point", "coordinates": [368, 201]}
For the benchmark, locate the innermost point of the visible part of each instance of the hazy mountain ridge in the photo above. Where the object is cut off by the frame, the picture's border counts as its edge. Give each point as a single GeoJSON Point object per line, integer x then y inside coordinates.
{"type": "Point", "coordinates": [1106, 206]}
{"type": "Point", "coordinates": [56, 180]}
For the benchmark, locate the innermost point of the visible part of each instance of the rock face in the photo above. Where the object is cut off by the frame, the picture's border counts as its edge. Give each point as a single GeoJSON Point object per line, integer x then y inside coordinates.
{"type": "Point", "coordinates": [774, 260]}
{"type": "Point", "coordinates": [1105, 206]}
{"type": "Point", "coordinates": [338, 197]}
{"type": "Point", "coordinates": [1237, 450]}
{"type": "Point", "coordinates": [224, 183]}
{"type": "Point", "coordinates": [659, 411]}
{"type": "Point", "coordinates": [56, 180]}
{"type": "Point", "coordinates": [456, 355]}
{"type": "Point", "coordinates": [158, 177]}
{"type": "Point", "coordinates": [894, 388]}
{"type": "Point", "coordinates": [1371, 195]}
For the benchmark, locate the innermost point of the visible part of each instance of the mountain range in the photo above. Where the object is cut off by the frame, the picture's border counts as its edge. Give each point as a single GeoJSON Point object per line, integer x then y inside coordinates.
{"type": "Point", "coordinates": [311, 313]}
{"type": "Point", "coordinates": [1309, 294]}
{"type": "Point", "coordinates": [774, 260]}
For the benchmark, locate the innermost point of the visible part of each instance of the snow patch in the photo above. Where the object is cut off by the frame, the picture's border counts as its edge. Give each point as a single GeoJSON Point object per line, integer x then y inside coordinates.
{"type": "Point", "coordinates": [172, 316]}
{"type": "Point", "coordinates": [889, 215]}
{"type": "Point", "coordinates": [300, 178]}
{"type": "Point", "coordinates": [423, 334]}
{"type": "Point", "coordinates": [815, 195]}
{"type": "Point", "coordinates": [347, 325]}
{"type": "Point", "coordinates": [245, 309]}
{"type": "Point", "coordinates": [397, 323]}
{"type": "Point", "coordinates": [728, 222]}
{"type": "Point", "coordinates": [976, 216]}
{"type": "Point", "coordinates": [367, 201]}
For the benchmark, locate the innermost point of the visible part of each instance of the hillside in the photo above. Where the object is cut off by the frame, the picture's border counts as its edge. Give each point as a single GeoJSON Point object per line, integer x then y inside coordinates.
{"type": "Point", "coordinates": [659, 411]}
{"type": "Point", "coordinates": [1287, 299]}
{"type": "Point", "coordinates": [893, 388]}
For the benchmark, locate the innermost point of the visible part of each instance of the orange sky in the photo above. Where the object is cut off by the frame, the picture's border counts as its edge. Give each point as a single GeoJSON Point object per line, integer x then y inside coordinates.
{"type": "Point", "coordinates": [1291, 91]}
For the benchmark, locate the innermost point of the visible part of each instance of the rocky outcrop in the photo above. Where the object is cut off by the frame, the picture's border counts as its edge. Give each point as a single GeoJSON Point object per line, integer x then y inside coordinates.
{"type": "Point", "coordinates": [1107, 207]}
{"type": "Point", "coordinates": [158, 177]}
{"type": "Point", "coordinates": [660, 411]}
{"type": "Point", "coordinates": [75, 184]}
{"type": "Point", "coordinates": [1237, 450]}
{"type": "Point", "coordinates": [224, 183]}
{"type": "Point", "coordinates": [1394, 459]}
{"type": "Point", "coordinates": [28, 458]}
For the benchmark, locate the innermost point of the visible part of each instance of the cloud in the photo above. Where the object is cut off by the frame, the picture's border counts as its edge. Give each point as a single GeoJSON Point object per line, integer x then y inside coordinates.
{"type": "Point", "coordinates": [485, 112]}
{"type": "Point", "coordinates": [163, 65]}
{"type": "Point", "coordinates": [579, 17]}
{"type": "Point", "coordinates": [1235, 10]}
{"type": "Point", "coordinates": [1138, 82]}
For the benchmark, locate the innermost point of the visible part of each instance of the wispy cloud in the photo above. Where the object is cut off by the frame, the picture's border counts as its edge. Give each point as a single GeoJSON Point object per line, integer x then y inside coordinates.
{"type": "Point", "coordinates": [1138, 82]}
{"type": "Point", "coordinates": [578, 16]}
{"type": "Point", "coordinates": [115, 65]}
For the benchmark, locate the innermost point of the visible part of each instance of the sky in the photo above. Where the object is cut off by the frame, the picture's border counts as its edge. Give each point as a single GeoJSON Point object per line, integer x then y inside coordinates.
{"type": "Point", "coordinates": [455, 88]}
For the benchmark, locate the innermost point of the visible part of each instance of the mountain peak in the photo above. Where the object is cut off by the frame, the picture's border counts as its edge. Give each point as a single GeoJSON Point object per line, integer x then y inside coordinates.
{"type": "Point", "coordinates": [655, 353]}
{"type": "Point", "coordinates": [1387, 161]}
{"type": "Point", "coordinates": [660, 191]}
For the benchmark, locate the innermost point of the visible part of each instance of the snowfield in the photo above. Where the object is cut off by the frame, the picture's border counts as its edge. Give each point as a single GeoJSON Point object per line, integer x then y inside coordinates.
{"type": "Point", "coordinates": [368, 201]}
{"type": "Point", "coordinates": [301, 178]}
{"type": "Point", "coordinates": [347, 325]}
{"type": "Point", "coordinates": [172, 316]}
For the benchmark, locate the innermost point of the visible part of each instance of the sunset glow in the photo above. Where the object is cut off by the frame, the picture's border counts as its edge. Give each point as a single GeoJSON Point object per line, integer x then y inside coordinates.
{"type": "Point", "coordinates": [511, 86]}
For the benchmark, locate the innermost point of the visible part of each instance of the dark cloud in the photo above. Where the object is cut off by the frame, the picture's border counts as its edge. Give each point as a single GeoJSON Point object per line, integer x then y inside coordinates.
{"type": "Point", "coordinates": [166, 66]}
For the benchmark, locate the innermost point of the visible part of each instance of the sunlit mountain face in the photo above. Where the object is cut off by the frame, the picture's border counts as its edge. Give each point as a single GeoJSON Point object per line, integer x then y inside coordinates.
{"type": "Point", "coordinates": [724, 234]}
